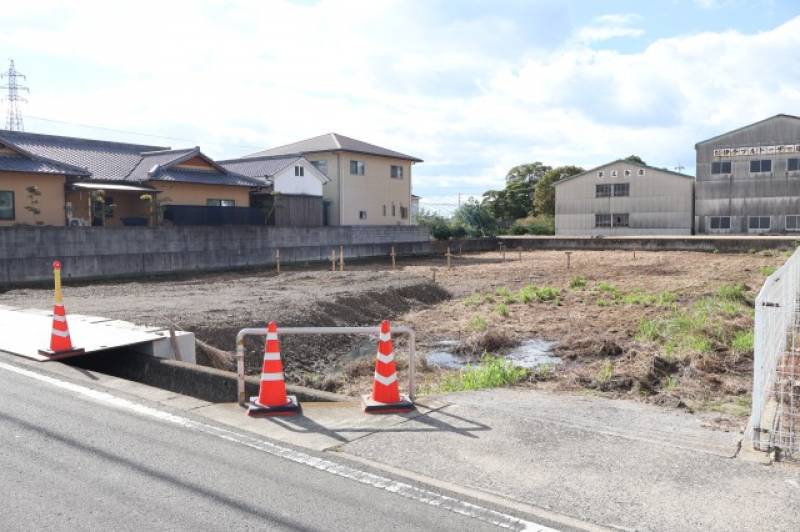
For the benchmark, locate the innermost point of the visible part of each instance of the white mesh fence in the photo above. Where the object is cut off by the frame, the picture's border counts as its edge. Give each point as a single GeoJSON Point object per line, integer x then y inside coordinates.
{"type": "Point", "coordinates": [776, 365]}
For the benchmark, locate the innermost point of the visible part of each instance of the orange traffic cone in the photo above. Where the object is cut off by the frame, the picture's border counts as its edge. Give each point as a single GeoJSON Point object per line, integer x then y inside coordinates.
{"type": "Point", "coordinates": [272, 399]}
{"type": "Point", "coordinates": [60, 341]}
{"type": "Point", "coordinates": [386, 396]}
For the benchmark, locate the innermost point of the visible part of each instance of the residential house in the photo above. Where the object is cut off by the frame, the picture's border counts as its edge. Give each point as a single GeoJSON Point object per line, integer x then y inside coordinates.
{"type": "Point", "coordinates": [291, 188]}
{"type": "Point", "coordinates": [624, 198]}
{"type": "Point", "coordinates": [369, 185]}
{"type": "Point", "coordinates": [55, 180]}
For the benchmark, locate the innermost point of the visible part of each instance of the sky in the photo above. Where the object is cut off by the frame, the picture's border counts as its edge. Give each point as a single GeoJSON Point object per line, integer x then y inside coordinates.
{"type": "Point", "coordinates": [471, 87]}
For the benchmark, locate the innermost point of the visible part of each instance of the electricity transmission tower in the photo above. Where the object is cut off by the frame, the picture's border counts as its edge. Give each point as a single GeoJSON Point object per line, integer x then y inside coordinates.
{"type": "Point", "coordinates": [13, 115]}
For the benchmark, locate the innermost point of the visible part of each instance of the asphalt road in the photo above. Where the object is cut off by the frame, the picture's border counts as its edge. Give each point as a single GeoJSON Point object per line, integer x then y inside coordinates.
{"type": "Point", "coordinates": [69, 461]}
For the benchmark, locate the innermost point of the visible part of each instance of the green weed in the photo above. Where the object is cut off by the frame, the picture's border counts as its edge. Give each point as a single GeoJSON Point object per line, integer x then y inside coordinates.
{"type": "Point", "coordinates": [478, 324]}
{"type": "Point", "coordinates": [670, 383]}
{"type": "Point", "coordinates": [733, 292]}
{"type": "Point", "coordinates": [742, 341]}
{"type": "Point", "coordinates": [474, 300]}
{"type": "Point", "coordinates": [578, 282]}
{"type": "Point", "coordinates": [766, 271]}
{"type": "Point", "coordinates": [502, 309]}
{"type": "Point", "coordinates": [491, 372]}
{"type": "Point", "coordinates": [605, 373]}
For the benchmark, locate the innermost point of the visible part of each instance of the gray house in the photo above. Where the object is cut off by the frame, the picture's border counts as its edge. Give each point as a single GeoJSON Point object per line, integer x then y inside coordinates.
{"type": "Point", "coordinates": [748, 180]}
{"type": "Point", "coordinates": [624, 198]}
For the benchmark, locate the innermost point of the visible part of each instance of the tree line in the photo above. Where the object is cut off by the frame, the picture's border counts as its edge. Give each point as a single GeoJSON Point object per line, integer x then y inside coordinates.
{"type": "Point", "coordinates": [526, 205]}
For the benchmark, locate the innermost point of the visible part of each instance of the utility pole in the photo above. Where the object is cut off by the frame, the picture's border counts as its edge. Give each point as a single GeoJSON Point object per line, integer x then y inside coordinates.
{"type": "Point", "coordinates": [679, 168]}
{"type": "Point", "coordinates": [13, 114]}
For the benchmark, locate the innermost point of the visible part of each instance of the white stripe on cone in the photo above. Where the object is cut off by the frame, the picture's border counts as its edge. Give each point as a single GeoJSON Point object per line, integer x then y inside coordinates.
{"type": "Point", "coordinates": [386, 358]}
{"type": "Point", "coordinates": [62, 334]}
{"type": "Point", "coordinates": [272, 356]}
{"type": "Point", "coordinates": [60, 318]}
{"type": "Point", "coordinates": [386, 381]}
{"type": "Point", "coordinates": [385, 337]}
{"type": "Point", "coordinates": [272, 336]}
{"type": "Point", "coordinates": [272, 376]}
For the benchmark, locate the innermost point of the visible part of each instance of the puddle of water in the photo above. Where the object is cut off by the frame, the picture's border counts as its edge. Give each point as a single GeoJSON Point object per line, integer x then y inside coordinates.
{"type": "Point", "coordinates": [529, 354]}
{"type": "Point", "coordinates": [444, 359]}
{"type": "Point", "coordinates": [533, 353]}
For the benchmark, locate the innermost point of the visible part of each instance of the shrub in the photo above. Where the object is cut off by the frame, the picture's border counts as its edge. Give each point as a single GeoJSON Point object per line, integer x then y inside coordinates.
{"type": "Point", "coordinates": [440, 230]}
{"type": "Point", "coordinates": [502, 309]}
{"type": "Point", "coordinates": [458, 231]}
{"type": "Point", "coordinates": [605, 373]}
{"type": "Point", "coordinates": [733, 292]}
{"type": "Point", "coordinates": [743, 341]}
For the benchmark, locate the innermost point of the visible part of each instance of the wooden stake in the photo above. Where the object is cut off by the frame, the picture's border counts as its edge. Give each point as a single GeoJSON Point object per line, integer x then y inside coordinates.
{"type": "Point", "coordinates": [634, 254]}
{"type": "Point", "coordinates": [278, 260]}
{"type": "Point", "coordinates": [568, 253]}
{"type": "Point", "coordinates": [503, 251]}
{"type": "Point", "coordinates": [434, 275]}
{"type": "Point", "coordinates": [333, 260]}
{"type": "Point", "coordinates": [394, 262]}
{"type": "Point", "coordinates": [459, 249]}
{"type": "Point", "coordinates": [520, 254]}
{"type": "Point", "coordinates": [449, 263]}
{"type": "Point", "coordinates": [341, 258]}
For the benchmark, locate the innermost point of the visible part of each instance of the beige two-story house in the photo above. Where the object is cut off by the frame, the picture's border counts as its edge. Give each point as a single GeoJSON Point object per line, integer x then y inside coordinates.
{"type": "Point", "coordinates": [369, 185]}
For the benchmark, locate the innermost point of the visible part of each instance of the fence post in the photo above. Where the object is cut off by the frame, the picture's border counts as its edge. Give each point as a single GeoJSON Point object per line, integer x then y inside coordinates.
{"type": "Point", "coordinates": [278, 260]}
{"type": "Point", "coordinates": [568, 253]}
{"type": "Point", "coordinates": [449, 263]}
{"type": "Point", "coordinates": [393, 258]}
{"type": "Point", "coordinates": [341, 258]}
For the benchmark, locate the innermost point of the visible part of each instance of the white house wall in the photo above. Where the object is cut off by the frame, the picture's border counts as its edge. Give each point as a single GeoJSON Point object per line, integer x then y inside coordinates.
{"type": "Point", "coordinates": [285, 182]}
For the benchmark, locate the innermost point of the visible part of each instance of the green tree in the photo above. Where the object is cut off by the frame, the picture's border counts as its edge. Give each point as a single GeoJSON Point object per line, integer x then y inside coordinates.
{"type": "Point", "coordinates": [544, 199]}
{"type": "Point", "coordinates": [475, 218]}
{"type": "Point", "coordinates": [529, 173]}
{"type": "Point", "coordinates": [437, 224]}
{"type": "Point", "coordinates": [635, 159]}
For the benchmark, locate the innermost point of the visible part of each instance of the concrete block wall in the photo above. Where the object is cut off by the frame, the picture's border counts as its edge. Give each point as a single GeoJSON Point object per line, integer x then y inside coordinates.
{"type": "Point", "coordinates": [26, 253]}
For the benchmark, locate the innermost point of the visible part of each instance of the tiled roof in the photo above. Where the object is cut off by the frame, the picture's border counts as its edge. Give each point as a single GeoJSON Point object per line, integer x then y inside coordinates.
{"type": "Point", "coordinates": [149, 160]}
{"type": "Point", "coordinates": [201, 177]}
{"type": "Point", "coordinates": [104, 160]}
{"type": "Point", "coordinates": [261, 168]}
{"type": "Point", "coordinates": [333, 142]}
{"type": "Point", "coordinates": [21, 163]}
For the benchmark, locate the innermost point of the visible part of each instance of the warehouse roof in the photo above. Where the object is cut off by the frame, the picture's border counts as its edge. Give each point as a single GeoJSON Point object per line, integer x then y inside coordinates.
{"type": "Point", "coordinates": [333, 142]}
{"type": "Point", "coordinates": [596, 168]}
{"type": "Point", "coordinates": [781, 115]}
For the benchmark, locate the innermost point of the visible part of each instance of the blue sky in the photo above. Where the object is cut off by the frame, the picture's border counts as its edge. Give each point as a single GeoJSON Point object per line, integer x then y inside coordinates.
{"type": "Point", "coordinates": [472, 87]}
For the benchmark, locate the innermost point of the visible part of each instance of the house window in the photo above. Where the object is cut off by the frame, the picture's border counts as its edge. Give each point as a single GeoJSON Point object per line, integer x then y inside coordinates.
{"type": "Point", "coordinates": [627, 173]}
{"type": "Point", "coordinates": [721, 167]}
{"type": "Point", "coordinates": [356, 167]}
{"type": "Point", "coordinates": [793, 222]}
{"type": "Point", "coordinates": [403, 213]}
{"type": "Point", "coordinates": [719, 222]}
{"type": "Point", "coordinates": [299, 171]}
{"type": "Point", "coordinates": [613, 173]}
{"type": "Point", "coordinates": [322, 166]}
{"type": "Point", "coordinates": [110, 206]}
{"type": "Point", "coordinates": [793, 164]}
{"type": "Point", "coordinates": [220, 203]}
{"type": "Point", "coordinates": [759, 166]}
{"type": "Point", "coordinates": [602, 220]}
{"type": "Point", "coordinates": [600, 173]}
{"type": "Point", "coordinates": [362, 215]}
{"type": "Point", "coordinates": [622, 189]}
{"type": "Point", "coordinates": [602, 191]}
{"type": "Point", "coordinates": [384, 210]}
{"type": "Point", "coordinates": [6, 205]}
{"type": "Point", "coordinates": [621, 220]}
{"type": "Point", "coordinates": [397, 172]}
{"type": "Point", "coordinates": [394, 210]}
{"type": "Point", "coordinates": [640, 172]}
{"type": "Point", "coordinates": [758, 222]}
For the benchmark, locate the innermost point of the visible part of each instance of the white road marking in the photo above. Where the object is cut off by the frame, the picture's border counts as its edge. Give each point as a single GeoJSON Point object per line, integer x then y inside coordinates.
{"type": "Point", "coordinates": [408, 491]}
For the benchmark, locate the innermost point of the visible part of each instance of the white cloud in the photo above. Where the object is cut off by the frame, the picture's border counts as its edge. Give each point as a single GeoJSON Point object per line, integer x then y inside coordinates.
{"type": "Point", "coordinates": [241, 76]}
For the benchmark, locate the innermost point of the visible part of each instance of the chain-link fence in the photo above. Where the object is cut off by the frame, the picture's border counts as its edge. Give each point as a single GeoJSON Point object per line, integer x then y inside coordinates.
{"type": "Point", "coordinates": [776, 370]}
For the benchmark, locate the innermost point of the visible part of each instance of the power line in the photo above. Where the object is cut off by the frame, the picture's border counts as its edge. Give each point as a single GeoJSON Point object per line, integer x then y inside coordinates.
{"type": "Point", "coordinates": [13, 115]}
{"type": "Point", "coordinates": [151, 135]}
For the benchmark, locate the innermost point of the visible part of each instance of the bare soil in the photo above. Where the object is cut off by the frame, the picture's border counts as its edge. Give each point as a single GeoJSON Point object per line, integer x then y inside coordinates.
{"type": "Point", "coordinates": [593, 338]}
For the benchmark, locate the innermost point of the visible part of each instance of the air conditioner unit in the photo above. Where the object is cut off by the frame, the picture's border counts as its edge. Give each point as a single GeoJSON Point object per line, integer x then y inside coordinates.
{"type": "Point", "coordinates": [77, 222]}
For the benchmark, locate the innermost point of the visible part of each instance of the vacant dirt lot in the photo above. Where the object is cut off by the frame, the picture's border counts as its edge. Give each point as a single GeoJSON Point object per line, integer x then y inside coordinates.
{"type": "Point", "coordinates": [667, 327]}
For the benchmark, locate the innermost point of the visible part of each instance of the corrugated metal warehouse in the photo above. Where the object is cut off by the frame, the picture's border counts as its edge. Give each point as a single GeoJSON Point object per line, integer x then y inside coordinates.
{"type": "Point", "coordinates": [625, 198]}
{"type": "Point", "coordinates": [748, 180]}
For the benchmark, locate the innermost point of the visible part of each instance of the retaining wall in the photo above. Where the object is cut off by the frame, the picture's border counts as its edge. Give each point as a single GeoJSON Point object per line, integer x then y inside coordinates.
{"type": "Point", "coordinates": [87, 253]}
{"type": "Point", "coordinates": [692, 243]}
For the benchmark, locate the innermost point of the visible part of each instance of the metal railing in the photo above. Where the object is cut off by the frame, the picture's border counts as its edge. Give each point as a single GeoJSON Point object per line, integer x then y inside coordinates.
{"type": "Point", "coordinates": [775, 416]}
{"type": "Point", "coordinates": [372, 331]}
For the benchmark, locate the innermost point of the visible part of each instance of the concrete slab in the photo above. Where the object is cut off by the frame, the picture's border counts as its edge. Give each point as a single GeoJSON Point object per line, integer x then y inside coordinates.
{"type": "Point", "coordinates": [24, 331]}
{"type": "Point", "coordinates": [619, 464]}
{"type": "Point", "coordinates": [324, 425]}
